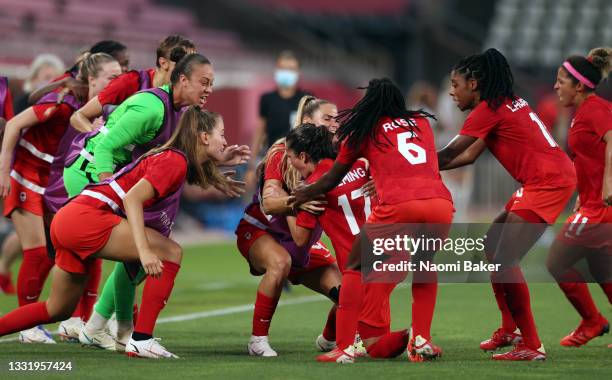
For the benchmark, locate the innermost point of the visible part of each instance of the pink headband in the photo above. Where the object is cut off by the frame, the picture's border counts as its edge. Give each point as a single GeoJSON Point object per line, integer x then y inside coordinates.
{"type": "Point", "coordinates": [568, 66]}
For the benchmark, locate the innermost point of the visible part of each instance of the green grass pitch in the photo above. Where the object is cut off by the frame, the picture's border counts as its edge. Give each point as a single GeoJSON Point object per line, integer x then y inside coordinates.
{"type": "Point", "coordinates": [214, 281]}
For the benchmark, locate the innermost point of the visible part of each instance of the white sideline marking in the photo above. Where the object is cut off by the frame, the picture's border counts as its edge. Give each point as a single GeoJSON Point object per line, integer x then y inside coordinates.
{"type": "Point", "coordinates": [218, 312]}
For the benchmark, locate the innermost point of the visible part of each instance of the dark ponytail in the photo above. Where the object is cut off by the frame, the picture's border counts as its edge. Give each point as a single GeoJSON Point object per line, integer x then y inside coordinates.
{"type": "Point", "coordinates": [492, 73]}
{"type": "Point", "coordinates": [316, 141]}
{"type": "Point", "coordinates": [186, 65]}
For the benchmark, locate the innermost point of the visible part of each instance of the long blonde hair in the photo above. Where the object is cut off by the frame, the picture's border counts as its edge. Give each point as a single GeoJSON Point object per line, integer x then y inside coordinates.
{"type": "Point", "coordinates": [185, 138]}
{"type": "Point", "coordinates": [90, 65]}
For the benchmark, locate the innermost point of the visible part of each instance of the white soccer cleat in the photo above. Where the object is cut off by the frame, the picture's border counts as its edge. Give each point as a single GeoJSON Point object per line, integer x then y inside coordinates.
{"type": "Point", "coordinates": [124, 333]}
{"type": "Point", "coordinates": [149, 348]}
{"type": "Point", "coordinates": [36, 334]}
{"type": "Point", "coordinates": [259, 346]}
{"type": "Point", "coordinates": [346, 356]}
{"type": "Point", "coordinates": [70, 329]}
{"type": "Point", "coordinates": [96, 338]}
{"type": "Point", "coordinates": [360, 349]}
{"type": "Point", "coordinates": [325, 345]}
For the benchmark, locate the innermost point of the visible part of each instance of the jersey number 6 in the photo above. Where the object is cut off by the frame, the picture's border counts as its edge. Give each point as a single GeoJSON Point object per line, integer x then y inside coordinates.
{"type": "Point", "coordinates": [411, 151]}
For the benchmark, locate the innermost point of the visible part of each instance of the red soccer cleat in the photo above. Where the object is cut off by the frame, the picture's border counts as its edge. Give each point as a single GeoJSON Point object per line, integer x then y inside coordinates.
{"type": "Point", "coordinates": [337, 355]}
{"type": "Point", "coordinates": [420, 350]}
{"type": "Point", "coordinates": [521, 352]}
{"type": "Point", "coordinates": [6, 284]}
{"type": "Point", "coordinates": [500, 339]}
{"type": "Point", "coordinates": [585, 332]}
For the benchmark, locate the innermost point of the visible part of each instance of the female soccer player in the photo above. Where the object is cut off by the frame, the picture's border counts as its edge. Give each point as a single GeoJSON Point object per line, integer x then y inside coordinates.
{"type": "Point", "coordinates": [318, 112]}
{"type": "Point", "coordinates": [588, 232]}
{"type": "Point", "coordinates": [265, 241]}
{"type": "Point", "coordinates": [514, 134]}
{"type": "Point", "coordinates": [399, 145]}
{"type": "Point", "coordinates": [310, 150]}
{"type": "Point", "coordinates": [128, 218]}
{"type": "Point", "coordinates": [144, 121]}
{"type": "Point", "coordinates": [22, 184]}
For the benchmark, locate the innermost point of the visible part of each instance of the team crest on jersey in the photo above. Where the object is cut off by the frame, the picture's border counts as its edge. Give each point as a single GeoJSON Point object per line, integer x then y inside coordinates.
{"type": "Point", "coordinates": [22, 196]}
{"type": "Point", "coordinates": [247, 236]}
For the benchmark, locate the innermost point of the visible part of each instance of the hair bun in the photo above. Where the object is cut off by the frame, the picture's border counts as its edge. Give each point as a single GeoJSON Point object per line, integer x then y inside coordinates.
{"type": "Point", "coordinates": [600, 58]}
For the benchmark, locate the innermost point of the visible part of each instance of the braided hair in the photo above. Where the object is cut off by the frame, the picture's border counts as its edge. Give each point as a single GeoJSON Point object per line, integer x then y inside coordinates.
{"type": "Point", "coordinates": [492, 73]}
{"type": "Point", "coordinates": [382, 99]}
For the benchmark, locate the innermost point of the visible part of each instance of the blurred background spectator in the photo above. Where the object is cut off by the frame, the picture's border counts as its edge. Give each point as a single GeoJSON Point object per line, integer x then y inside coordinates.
{"type": "Point", "coordinates": [43, 69]}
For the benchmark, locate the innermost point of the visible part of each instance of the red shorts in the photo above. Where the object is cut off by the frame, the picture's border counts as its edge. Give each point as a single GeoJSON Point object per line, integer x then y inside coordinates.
{"type": "Point", "coordinates": [591, 228]}
{"type": "Point", "coordinates": [375, 316]}
{"type": "Point", "coordinates": [546, 203]}
{"type": "Point", "coordinates": [27, 196]}
{"type": "Point", "coordinates": [434, 210]}
{"type": "Point", "coordinates": [247, 234]}
{"type": "Point", "coordinates": [78, 231]}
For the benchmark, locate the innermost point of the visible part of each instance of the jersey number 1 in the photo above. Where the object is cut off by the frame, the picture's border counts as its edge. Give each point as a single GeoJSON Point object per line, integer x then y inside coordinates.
{"type": "Point", "coordinates": [348, 212]}
{"type": "Point", "coordinates": [547, 135]}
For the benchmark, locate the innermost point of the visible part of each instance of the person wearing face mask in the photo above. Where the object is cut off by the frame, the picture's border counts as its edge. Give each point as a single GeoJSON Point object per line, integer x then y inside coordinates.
{"type": "Point", "coordinates": [277, 108]}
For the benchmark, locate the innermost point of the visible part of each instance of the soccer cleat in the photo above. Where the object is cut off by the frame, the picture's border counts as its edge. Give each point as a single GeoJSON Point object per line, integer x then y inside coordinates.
{"type": "Point", "coordinates": [521, 352]}
{"type": "Point", "coordinates": [500, 339]}
{"type": "Point", "coordinates": [36, 334]}
{"type": "Point", "coordinates": [69, 329]}
{"type": "Point", "coordinates": [6, 284]}
{"type": "Point", "coordinates": [325, 345]}
{"type": "Point", "coordinates": [149, 348]}
{"type": "Point", "coordinates": [337, 355]}
{"type": "Point", "coordinates": [420, 350]}
{"type": "Point", "coordinates": [259, 346]}
{"type": "Point", "coordinates": [360, 349]}
{"type": "Point", "coordinates": [585, 332]}
{"type": "Point", "coordinates": [97, 338]}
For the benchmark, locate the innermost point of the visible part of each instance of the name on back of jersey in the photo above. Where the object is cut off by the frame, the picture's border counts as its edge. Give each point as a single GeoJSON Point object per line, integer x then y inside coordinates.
{"type": "Point", "coordinates": [517, 104]}
{"type": "Point", "coordinates": [353, 175]}
{"type": "Point", "coordinates": [398, 123]}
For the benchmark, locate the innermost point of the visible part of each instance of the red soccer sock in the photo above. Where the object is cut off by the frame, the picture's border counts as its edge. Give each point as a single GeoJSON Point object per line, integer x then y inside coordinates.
{"type": "Point", "coordinates": [262, 315]}
{"type": "Point", "coordinates": [33, 272]}
{"type": "Point", "coordinates": [347, 315]}
{"type": "Point", "coordinates": [577, 292]}
{"type": "Point", "coordinates": [519, 303]}
{"type": "Point", "coordinates": [154, 297]}
{"type": "Point", "coordinates": [507, 321]}
{"type": "Point", "coordinates": [90, 295]}
{"type": "Point", "coordinates": [24, 317]}
{"type": "Point", "coordinates": [329, 332]}
{"type": "Point", "coordinates": [389, 345]}
{"type": "Point", "coordinates": [607, 288]}
{"type": "Point", "coordinates": [424, 295]}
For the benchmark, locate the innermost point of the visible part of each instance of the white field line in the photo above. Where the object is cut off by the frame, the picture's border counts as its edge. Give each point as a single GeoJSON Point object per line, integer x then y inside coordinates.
{"type": "Point", "coordinates": [218, 312]}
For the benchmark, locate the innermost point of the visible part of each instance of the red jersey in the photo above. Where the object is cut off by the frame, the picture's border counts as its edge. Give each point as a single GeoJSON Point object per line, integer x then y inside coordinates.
{"type": "Point", "coordinates": [122, 87]}
{"type": "Point", "coordinates": [405, 164]}
{"type": "Point", "coordinates": [166, 171]}
{"type": "Point", "coordinates": [520, 141]}
{"type": "Point", "coordinates": [347, 208]}
{"type": "Point", "coordinates": [592, 121]}
{"type": "Point", "coordinates": [38, 144]}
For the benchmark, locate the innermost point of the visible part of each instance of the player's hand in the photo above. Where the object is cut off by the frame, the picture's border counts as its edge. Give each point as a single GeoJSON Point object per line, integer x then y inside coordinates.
{"type": "Point", "coordinates": [151, 264]}
{"type": "Point", "coordinates": [79, 89]}
{"type": "Point", "coordinates": [5, 185]}
{"type": "Point", "coordinates": [235, 155]}
{"type": "Point", "coordinates": [232, 187]}
{"type": "Point", "coordinates": [369, 189]}
{"type": "Point", "coordinates": [103, 176]}
{"type": "Point", "coordinates": [315, 207]}
{"type": "Point", "coordinates": [299, 196]}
